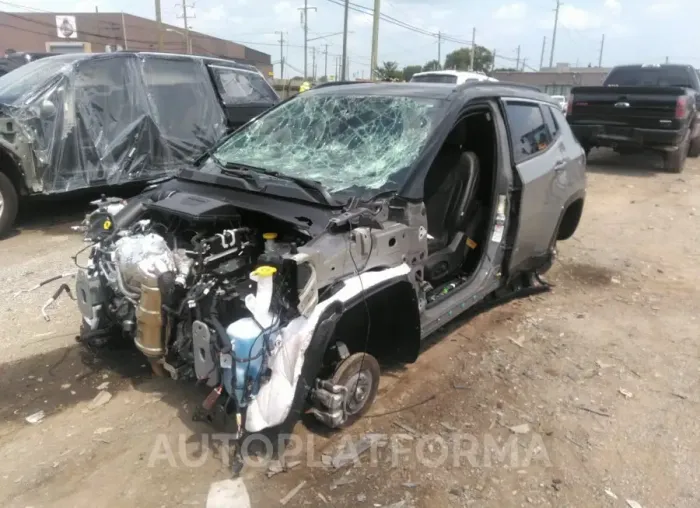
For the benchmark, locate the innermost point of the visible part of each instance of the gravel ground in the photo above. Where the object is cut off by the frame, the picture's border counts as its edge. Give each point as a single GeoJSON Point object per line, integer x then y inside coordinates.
{"type": "Point", "coordinates": [594, 384]}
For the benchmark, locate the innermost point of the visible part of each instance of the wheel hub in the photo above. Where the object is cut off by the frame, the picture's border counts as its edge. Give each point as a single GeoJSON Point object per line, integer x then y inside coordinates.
{"type": "Point", "coordinates": [359, 387]}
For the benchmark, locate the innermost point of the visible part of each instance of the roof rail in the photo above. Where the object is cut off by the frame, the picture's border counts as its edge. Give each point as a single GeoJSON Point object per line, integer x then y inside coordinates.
{"type": "Point", "coordinates": [338, 83]}
{"type": "Point", "coordinates": [470, 84]}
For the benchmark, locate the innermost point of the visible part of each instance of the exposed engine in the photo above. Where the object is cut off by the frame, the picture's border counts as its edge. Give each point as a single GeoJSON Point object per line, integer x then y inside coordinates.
{"type": "Point", "coordinates": [202, 295]}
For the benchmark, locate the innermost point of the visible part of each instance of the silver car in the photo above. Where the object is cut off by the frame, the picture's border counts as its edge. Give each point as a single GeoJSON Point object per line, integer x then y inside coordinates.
{"type": "Point", "coordinates": [334, 231]}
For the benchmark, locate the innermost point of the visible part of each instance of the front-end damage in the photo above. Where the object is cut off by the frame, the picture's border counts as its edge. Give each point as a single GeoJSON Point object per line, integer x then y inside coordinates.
{"type": "Point", "coordinates": [237, 299]}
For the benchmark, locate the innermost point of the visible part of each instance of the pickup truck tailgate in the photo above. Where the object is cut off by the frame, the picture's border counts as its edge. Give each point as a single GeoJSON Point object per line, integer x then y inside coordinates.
{"type": "Point", "coordinates": [642, 107]}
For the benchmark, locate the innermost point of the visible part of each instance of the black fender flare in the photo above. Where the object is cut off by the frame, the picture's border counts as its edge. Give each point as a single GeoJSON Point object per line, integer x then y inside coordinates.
{"type": "Point", "coordinates": [581, 194]}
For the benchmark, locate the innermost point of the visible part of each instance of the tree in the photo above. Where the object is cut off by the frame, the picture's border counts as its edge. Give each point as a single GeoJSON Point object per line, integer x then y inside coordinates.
{"type": "Point", "coordinates": [410, 70]}
{"type": "Point", "coordinates": [432, 65]}
{"type": "Point", "coordinates": [461, 58]}
{"type": "Point", "coordinates": [389, 70]}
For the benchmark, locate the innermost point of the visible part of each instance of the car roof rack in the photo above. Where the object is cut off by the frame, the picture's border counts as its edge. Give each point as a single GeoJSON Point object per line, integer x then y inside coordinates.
{"type": "Point", "coordinates": [509, 84]}
{"type": "Point", "coordinates": [338, 83]}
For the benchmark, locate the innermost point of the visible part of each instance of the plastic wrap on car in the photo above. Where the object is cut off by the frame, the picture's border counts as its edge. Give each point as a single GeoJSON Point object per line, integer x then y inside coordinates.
{"type": "Point", "coordinates": [117, 119]}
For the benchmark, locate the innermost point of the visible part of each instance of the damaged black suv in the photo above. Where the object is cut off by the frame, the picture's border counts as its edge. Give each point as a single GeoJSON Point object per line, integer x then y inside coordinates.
{"type": "Point", "coordinates": [334, 231]}
{"type": "Point", "coordinates": [109, 120]}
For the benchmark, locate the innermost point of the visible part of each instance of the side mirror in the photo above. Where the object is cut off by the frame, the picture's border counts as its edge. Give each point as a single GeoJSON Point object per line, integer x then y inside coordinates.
{"type": "Point", "coordinates": [47, 109]}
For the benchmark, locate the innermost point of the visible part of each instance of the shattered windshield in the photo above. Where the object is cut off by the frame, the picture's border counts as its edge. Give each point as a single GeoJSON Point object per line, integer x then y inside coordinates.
{"type": "Point", "coordinates": [342, 141]}
{"type": "Point", "coordinates": [27, 78]}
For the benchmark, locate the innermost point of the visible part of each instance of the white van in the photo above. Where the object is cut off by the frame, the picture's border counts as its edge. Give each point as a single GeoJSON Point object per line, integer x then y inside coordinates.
{"type": "Point", "coordinates": [452, 77]}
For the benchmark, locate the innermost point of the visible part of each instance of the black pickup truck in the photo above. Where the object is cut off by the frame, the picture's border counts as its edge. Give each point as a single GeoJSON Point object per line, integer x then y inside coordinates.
{"type": "Point", "coordinates": [641, 107]}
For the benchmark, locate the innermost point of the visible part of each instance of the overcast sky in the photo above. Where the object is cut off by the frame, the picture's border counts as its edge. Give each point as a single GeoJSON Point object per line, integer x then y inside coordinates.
{"type": "Point", "coordinates": [635, 31]}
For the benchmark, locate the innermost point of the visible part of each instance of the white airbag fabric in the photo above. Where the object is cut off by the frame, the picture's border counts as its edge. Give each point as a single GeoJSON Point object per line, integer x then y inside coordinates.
{"type": "Point", "coordinates": [274, 400]}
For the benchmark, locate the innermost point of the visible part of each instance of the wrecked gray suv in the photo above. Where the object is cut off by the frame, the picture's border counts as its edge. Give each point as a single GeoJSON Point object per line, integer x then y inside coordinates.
{"type": "Point", "coordinates": [107, 120]}
{"type": "Point", "coordinates": [333, 232]}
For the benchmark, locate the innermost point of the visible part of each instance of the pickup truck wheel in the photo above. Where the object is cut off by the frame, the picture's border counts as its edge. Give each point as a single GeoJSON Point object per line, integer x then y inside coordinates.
{"type": "Point", "coordinates": [694, 150]}
{"type": "Point", "coordinates": [8, 204]}
{"type": "Point", "coordinates": [359, 374]}
{"type": "Point", "coordinates": [674, 162]}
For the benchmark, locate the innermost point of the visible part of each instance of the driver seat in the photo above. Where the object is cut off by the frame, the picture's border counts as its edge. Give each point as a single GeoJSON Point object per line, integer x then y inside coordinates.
{"type": "Point", "coordinates": [449, 209]}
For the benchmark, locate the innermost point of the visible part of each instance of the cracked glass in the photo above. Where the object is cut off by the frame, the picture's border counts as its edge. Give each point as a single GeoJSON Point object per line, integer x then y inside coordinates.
{"type": "Point", "coordinates": [342, 141]}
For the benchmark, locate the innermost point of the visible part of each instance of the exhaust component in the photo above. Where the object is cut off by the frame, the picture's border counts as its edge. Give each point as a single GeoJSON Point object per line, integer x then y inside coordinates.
{"type": "Point", "coordinates": [149, 319]}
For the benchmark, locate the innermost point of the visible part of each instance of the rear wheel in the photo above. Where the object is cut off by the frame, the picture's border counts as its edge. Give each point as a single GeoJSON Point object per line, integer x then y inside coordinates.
{"type": "Point", "coordinates": [359, 374]}
{"type": "Point", "coordinates": [9, 201]}
{"type": "Point", "coordinates": [694, 150]}
{"type": "Point", "coordinates": [674, 162]}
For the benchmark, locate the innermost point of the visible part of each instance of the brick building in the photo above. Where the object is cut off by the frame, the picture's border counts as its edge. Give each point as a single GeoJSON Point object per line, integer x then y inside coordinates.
{"type": "Point", "coordinates": [557, 80]}
{"type": "Point", "coordinates": [99, 32]}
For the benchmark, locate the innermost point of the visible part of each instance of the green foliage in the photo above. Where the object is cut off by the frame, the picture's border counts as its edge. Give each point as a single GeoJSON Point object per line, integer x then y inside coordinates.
{"type": "Point", "coordinates": [460, 59]}
{"type": "Point", "coordinates": [432, 65]}
{"type": "Point", "coordinates": [389, 70]}
{"type": "Point", "coordinates": [410, 70]}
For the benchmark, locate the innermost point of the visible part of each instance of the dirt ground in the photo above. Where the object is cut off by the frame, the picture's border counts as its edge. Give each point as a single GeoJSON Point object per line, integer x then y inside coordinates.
{"type": "Point", "coordinates": [585, 396]}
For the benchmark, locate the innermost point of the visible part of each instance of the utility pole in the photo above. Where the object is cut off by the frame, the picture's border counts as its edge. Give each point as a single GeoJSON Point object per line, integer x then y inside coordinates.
{"type": "Point", "coordinates": [159, 21]}
{"type": "Point", "coordinates": [305, 22]}
{"type": "Point", "coordinates": [313, 63]}
{"type": "Point", "coordinates": [600, 57]}
{"type": "Point", "coordinates": [517, 61]}
{"type": "Point", "coordinates": [325, 66]}
{"type": "Point", "coordinates": [471, 57]}
{"type": "Point", "coordinates": [337, 68]}
{"type": "Point", "coordinates": [544, 43]}
{"type": "Point", "coordinates": [126, 42]}
{"type": "Point", "coordinates": [523, 66]}
{"type": "Point", "coordinates": [345, 41]}
{"type": "Point", "coordinates": [375, 41]}
{"type": "Point", "coordinates": [493, 60]}
{"type": "Point", "coordinates": [554, 34]}
{"type": "Point", "coordinates": [439, 48]}
{"type": "Point", "coordinates": [186, 19]}
{"type": "Point", "coordinates": [281, 54]}
{"type": "Point", "coordinates": [667, 60]}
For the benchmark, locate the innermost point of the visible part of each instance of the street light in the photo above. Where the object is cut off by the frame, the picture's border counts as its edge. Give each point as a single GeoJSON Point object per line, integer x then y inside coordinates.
{"type": "Point", "coordinates": [188, 44]}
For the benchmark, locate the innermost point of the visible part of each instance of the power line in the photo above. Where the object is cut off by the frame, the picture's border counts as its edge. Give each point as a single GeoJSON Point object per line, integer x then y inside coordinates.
{"type": "Point", "coordinates": [389, 19]}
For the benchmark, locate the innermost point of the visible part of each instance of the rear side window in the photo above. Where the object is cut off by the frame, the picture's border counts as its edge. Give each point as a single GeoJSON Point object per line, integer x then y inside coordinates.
{"type": "Point", "coordinates": [649, 76]}
{"type": "Point", "coordinates": [528, 129]}
{"type": "Point", "coordinates": [562, 124]}
{"type": "Point", "coordinates": [551, 121]}
{"type": "Point", "coordinates": [241, 87]}
{"type": "Point", "coordinates": [435, 78]}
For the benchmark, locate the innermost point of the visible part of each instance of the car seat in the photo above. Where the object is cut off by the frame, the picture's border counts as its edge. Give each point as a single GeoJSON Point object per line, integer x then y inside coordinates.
{"type": "Point", "coordinates": [449, 208]}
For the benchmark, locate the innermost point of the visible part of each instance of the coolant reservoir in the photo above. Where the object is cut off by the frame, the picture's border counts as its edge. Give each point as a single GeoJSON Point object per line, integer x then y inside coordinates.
{"type": "Point", "coordinates": [249, 335]}
{"type": "Point", "coordinates": [270, 242]}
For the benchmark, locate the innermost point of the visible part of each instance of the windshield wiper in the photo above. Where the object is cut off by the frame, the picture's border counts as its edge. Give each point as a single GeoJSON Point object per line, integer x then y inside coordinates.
{"type": "Point", "coordinates": [318, 190]}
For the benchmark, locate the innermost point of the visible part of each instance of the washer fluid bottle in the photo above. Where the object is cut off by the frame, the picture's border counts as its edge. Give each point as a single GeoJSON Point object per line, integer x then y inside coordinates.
{"type": "Point", "coordinates": [270, 242]}
{"type": "Point", "coordinates": [248, 338]}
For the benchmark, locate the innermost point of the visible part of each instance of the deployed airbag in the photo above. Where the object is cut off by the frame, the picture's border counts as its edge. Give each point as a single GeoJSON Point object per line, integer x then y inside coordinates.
{"type": "Point", "coordinates": [275, 398]}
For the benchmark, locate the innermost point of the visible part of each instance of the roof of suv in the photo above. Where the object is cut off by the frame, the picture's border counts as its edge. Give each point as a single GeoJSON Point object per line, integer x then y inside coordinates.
{"type": "Point", "coordinates": [436, 90]}
{"type": "Point", "coordinates": [208, 59]}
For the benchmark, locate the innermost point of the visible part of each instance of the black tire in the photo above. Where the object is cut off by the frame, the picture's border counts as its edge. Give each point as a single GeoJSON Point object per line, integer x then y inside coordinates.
{"type": "Point", "coordinates": [9, 202]}
{"type": "Point", "coordinates": [674, 162]}
{"type": "Point", "coordinates": [346, 374]}
{"type": "Point", "coordinates": [694, 149]}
